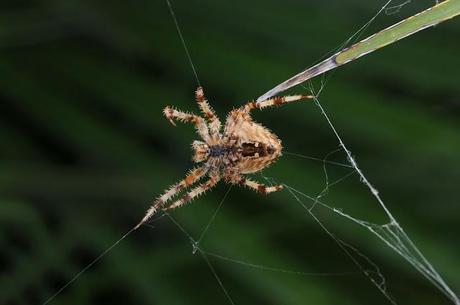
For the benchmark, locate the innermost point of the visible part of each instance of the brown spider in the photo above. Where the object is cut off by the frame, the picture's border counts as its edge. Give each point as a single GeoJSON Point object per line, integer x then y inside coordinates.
{"type": "Point", "coordinates": [245, 147]}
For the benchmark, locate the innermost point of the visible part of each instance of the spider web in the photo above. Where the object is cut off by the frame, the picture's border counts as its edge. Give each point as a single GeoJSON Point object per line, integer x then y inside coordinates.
{"type": "Point", "coordinates": [390, 232]}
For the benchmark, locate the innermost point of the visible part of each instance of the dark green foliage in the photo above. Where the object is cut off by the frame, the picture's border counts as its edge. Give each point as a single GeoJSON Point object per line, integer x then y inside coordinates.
{"type": "Point", "coordinates": [84, 149]}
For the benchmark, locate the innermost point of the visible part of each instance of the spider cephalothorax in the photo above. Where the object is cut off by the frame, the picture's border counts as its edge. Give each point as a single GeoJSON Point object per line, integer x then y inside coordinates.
{"type": "Point", "coordinates": [244, 147]}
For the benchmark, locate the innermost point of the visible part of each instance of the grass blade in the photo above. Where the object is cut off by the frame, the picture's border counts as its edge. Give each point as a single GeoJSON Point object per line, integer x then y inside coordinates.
{"type": "Point", "coordinates": [441, 12]}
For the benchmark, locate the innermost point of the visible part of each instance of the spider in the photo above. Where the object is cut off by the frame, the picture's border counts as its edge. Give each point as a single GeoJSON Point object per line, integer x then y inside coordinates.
{"type": "Point", "coordinates": [244, 147]}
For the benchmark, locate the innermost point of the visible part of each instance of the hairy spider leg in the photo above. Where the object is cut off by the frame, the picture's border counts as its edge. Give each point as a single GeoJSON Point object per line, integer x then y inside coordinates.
{"type": "Point", "coordinates": [199, 190]}
{"type": "Point", "coordinates": [200, 124]}
{"type": "Point", "coordinates": [209, 113]}
{"type": "Point", "coordinates": [193, 176]}
{"type": "Point", "coordinates": [275, 101]}
{"type": "Point", "coordinates": [259, 187]}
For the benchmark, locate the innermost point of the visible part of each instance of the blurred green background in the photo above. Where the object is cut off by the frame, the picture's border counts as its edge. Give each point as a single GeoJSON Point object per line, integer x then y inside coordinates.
{"type": "Point", "coordinates": [84, 149]}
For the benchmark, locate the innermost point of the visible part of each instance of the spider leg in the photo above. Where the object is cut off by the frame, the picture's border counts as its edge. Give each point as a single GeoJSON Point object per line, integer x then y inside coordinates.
{"type": "Point", "coordinates": [213, 180]}
{"type": "Point", "coordinates": [209, 114]}
{"type": "Point", "coordinates": [279, 100]}
{"type": "Point", "coordinates": [259, 187]}
{"type": "Point", "coordinates": [182, 116]}
{"type": "Point", "coordinates": [193, 176]}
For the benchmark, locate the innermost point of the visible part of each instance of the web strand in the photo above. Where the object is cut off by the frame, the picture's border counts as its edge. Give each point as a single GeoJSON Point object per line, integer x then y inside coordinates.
{"type": "Point", "coordinates": [317, 159]}
{"type": "Point", "coordinates": [196, 248]}
{"type": "Point", "coordinates": [396, 239]}
{"type": "Point", "coordinates": [97, 259]}
{"type": "Point", "coordinates": [396, 8]}
{"type": "Point", "coordinates": [345, 248]}
{"type": "Point", "coordinates": [179, 32]}
{"type": "Point", "coordinates": [275, 269]}
{"type": "Point", "coordinates": [213, 217]}
{"type": "Point", "coordinates": [353, 163]}
{"type": "Point", "coordinates": [401, 243]}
